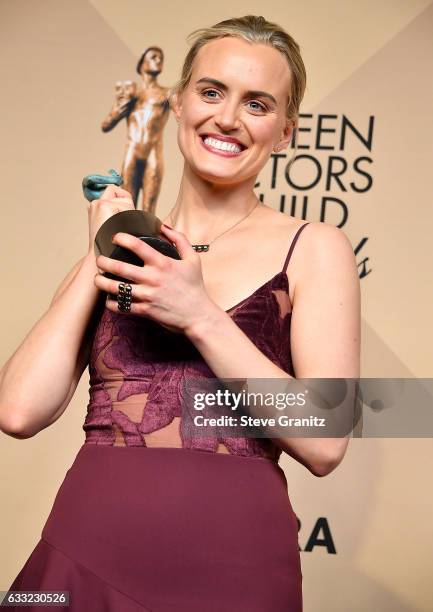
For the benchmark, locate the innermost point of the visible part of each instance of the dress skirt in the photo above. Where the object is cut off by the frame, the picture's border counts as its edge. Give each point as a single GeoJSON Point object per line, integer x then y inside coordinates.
{"type": "Point", "coordinates": [168, 530]}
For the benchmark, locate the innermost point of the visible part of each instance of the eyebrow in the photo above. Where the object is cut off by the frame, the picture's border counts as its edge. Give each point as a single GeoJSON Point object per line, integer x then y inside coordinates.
{"type": "Point", "coordinates": [253, 93]}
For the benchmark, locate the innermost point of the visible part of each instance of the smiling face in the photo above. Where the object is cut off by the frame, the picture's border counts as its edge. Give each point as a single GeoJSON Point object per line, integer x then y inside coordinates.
{"type": "Point", "coordinates": [233, 111]}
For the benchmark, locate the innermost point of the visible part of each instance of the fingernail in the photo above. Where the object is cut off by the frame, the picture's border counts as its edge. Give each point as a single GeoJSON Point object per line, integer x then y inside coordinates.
{"type": "Point", "coordinates": [113, 237]}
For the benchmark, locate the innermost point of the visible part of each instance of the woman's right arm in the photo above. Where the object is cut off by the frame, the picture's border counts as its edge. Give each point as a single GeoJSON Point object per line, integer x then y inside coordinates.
{"type": "Point", "coordinates": [39, 380]}
{"type": "Point", "coordinates": [118, 112]}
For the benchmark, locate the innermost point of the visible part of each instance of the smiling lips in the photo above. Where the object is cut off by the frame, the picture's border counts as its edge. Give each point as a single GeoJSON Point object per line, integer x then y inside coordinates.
{"type": "Point", "coordinates": [224, 145]}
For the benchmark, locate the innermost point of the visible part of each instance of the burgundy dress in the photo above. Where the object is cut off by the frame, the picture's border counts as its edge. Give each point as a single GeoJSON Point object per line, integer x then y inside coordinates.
{"type": "Point", "coordinates": [150, 519]}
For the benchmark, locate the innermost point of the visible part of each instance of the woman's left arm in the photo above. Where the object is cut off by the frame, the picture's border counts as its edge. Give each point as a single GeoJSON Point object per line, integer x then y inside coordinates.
{"type": "Point", "coordinates": [325, 326]}
{"type": "Point", "coordinates": [325, 334]}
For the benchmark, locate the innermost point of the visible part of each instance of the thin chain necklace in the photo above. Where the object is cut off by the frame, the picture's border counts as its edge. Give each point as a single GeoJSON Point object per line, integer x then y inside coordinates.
{"type": "Point", "coordinates": [203, 248]}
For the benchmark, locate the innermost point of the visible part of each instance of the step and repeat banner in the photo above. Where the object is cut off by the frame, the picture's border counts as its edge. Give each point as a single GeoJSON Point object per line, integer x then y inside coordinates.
{"type": "Point", "coordinates": [70, 75]}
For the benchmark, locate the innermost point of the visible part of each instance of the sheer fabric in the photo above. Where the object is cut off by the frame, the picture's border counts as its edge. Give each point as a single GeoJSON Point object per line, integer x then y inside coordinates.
{"type": "Point", "coordinates": [138, 369]}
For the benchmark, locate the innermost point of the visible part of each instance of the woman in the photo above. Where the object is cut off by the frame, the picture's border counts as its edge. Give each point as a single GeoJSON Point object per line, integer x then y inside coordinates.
{"type": "Point", "coordinates": [168, 520]}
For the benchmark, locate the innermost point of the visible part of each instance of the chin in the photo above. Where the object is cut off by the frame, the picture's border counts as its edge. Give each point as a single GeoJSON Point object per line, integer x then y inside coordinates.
{"type": "Point", "coordinates": [218, 176]}
{"type": "Point", "coordinates": [212, 176]}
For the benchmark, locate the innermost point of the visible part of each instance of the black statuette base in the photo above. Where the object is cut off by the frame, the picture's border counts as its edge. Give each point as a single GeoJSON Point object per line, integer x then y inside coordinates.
{"type": "Point", "coordinates": [142, 225]}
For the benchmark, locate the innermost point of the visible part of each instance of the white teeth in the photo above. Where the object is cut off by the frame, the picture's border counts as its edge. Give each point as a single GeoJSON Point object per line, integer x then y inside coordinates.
{"type": "Point", "coordinates": [221, 144]}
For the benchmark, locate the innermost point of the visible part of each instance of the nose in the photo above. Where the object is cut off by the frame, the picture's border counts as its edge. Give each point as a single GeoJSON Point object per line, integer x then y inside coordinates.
{"type": "Point", "coordinates": [227, 117]}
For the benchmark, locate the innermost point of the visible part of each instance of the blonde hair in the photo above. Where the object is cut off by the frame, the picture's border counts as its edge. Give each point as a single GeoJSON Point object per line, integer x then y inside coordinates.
{"type": "Point", "coordinates": [253, 29]}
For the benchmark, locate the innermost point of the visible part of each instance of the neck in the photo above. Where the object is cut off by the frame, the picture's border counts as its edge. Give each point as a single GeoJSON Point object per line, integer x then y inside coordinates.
{"type": "Point", "coordinates": [148, 80]}
{"type": "Point", "coordinates": [204, 209]}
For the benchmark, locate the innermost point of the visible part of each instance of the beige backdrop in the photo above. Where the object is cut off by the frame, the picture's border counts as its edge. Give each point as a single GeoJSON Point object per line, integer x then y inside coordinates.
{"type": "Point", "coordinates": [364, 59]}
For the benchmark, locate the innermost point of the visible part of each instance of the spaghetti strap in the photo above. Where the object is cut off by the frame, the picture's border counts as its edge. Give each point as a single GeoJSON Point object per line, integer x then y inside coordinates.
{"type": "Point", "coordinates": [292, 246]}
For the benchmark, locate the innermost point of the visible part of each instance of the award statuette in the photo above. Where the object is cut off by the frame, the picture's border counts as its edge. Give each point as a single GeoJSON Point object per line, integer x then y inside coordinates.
{"type": "Point", "coordinates": [141, 224]}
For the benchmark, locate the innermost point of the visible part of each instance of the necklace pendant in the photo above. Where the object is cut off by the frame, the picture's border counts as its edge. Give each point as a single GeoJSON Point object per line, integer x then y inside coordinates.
{"type": "Point", "coordinates": [199, 248]}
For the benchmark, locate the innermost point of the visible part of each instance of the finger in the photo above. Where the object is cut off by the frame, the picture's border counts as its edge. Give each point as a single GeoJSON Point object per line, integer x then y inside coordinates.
{"type": "Point", "coordinates": [180, 240]}
{"type": "Point", "coordinates": [112, 287]}
{"type": "Point", "coordinates": [136, 274]}
{"type": "Point", "coordinates": [122, 193]}
{"type": "Point", "coordinates": [113, 305]}
{"type": "Point", "coordinates": [118, 200]}
{"type": "Point", "coordinates": [138, 303]}
{"type": "Point", "coordinates": [108, 193]}
{"type": "Point", "coordinates": [146, 276]}
{"type": "Point", "coordinates": [147, 253]}
{"type": "Point", "coordinates": [123, 202]}
{"type": "Point", "coordinates": [119, 203]}
{"type": "Point", "coordinates": [113, 191]}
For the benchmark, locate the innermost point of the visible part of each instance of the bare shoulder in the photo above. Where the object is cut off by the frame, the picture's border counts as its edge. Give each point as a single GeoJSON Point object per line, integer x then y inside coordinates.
{"type": "Point", "coordinates": [324, 257]}
{"type": "Point", "coordinates": [317, 238]}
{"type": "Point", "coordinates": [325, 240]}
{"type": "Point", "coordinates": [322, 250]}
{"type": "Point", "coordinates": [328, 244]}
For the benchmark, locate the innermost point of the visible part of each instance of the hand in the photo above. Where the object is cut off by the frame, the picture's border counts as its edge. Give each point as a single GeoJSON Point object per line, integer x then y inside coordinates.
{"type": "Point", "coordinates": [169, 291]}
{"type": "Point", "coordinates": [113, 200]}
{"type": "Point", "coordinates": [123, 105]}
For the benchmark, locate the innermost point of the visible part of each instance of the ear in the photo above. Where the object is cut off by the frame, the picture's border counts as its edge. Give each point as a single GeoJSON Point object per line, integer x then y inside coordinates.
{"type": "Point", "coordinates": [176, 104]}
{"type": "Point", "coordinates": [286, 136]}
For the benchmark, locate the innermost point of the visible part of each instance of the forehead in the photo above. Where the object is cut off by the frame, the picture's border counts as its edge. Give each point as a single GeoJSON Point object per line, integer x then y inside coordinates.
{"type": "Point", "coordinates": [238, 63]}
{"type": "Point", "coordinates": [152, 53]}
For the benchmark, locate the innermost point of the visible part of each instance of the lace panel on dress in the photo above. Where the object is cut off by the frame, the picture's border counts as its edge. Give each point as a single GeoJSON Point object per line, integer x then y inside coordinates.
{"type": "Point", "coordinates": [138, 369]}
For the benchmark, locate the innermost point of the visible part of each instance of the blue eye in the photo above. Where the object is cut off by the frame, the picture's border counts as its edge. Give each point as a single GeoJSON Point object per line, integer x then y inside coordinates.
{"type": "Point", "coordinates": [209, 91]}
{"type": "Point", "coordinates": [261, 106]}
